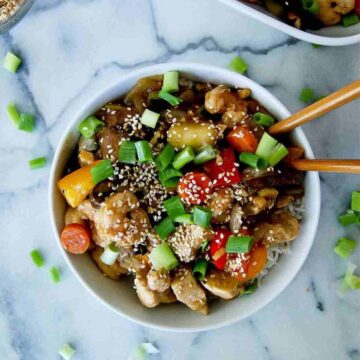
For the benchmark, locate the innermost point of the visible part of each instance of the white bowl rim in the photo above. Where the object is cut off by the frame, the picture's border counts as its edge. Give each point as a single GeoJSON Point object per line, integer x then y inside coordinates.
{"type": "Point", "coordinates": [290, 30]}
{"type": "Point", "coordinates": [190, 68]}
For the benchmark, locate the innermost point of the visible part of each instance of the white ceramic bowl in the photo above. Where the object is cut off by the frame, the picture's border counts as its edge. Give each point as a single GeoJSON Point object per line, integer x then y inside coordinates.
{"type": "Point", "coordinates": [328, 36]}
{"type": "Point", "coordinates": [120, 296]}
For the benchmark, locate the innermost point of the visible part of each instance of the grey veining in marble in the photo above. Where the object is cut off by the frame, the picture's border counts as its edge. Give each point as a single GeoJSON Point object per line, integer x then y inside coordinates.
{"type": "Point", "coordinates": [71, 48]}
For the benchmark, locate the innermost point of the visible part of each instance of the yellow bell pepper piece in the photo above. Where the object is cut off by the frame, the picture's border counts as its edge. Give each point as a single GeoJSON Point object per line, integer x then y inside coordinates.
{"type": "Point", "coordinates": [77, 185]}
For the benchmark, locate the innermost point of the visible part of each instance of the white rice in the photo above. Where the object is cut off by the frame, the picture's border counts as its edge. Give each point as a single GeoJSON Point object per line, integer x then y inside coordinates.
{"type": "Point", "coordinates": [295, 208]}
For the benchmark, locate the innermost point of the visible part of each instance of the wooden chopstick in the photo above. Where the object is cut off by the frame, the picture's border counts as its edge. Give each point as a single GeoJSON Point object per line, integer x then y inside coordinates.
{"type": "Point", "coordinates": [339, 166]}
{"type": "Point", "coordinates": [321, 107]}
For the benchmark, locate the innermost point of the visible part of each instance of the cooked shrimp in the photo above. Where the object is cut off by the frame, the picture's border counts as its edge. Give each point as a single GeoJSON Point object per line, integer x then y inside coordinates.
{"type": "Point", "coordinates": [222, 100]}
{"type": "Point", "coordinates": [119, 220]}
{"type": "Point", "coordinates": [331, 11]}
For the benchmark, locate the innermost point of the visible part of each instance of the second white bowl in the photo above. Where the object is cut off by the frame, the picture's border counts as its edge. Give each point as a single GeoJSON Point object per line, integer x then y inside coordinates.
{"type": "Point", "coordinates": [328, 36]}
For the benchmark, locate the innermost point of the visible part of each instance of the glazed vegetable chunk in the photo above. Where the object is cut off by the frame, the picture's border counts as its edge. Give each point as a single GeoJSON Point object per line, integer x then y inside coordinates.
{"type": "Point", "coordinates": [192, 134]}
{"type": "Point", "coordinates": [222, 284]}
{"type": "Point", "coordinates": [188, 291]}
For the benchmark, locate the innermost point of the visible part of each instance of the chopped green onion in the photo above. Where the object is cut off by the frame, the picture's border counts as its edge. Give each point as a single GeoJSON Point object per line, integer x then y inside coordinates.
{"type": "Point", "coordinates": [102, 171]}
{"type": "Point", "coordinates": [345, 247]}
{"type": "Point", "coordinates": [168, 174]}
{"type": "Point", "coordinates": [266, 146]}
{"type": "Point", "coordinates": [253, 160]}
{"type": "Point", "coordinates": [127, 152]}
{"type": "Point", "coordinates": [270, 150]}
{"type": "Point", "coordinates": [315, 46]}
{"type": "Point", "coordinates": [355, 201]}
{"type": "Point", "coordinates": [110, 255]}
{"type": "Point", "coordinates": [238, 64]}
{"type": "Point", "coordinates": [263, 119]}
{"type": "Point", "coordinates": [162, 257]}
{"type": "Point", "coordinates": [202, 216]}
{"type": "Point", "coordinates": [183, 157]}
{"type": "Point", "coordinates": [174, 207]}
{"type": "Point", "coordinates": [307, 95]}
{"type": "Point", "coordinates": [66, 352]}
{"type": "Point", "coordinates": [350, 280]}
{"type": "Point", "coordinates": [311, 6]}
{"type": "Point", "coordinates": [143, 150]}
{"type": "Point", "coordinates": [171, 99]}
{"type": "Point", "coordinates": [149, 348]}
{"type": "Point", "coordinates": [279, 152]}
{"type": "Point", "coordinates": [199, 270]}
{"type": "Point", "coordinates": [184, 219]}
{"type": "Point", "coordinates": [90, 126]}
{"type": "Point", "coordinates": [171, 183]}
{"type": "Point", "coordinates": [26, 122]}
{"type": "Point", "coordinates": [239, 244]}
{"type": "Point", "coordinates": [149, 118]}
{"type": "Point", "coordinates": [165, 157]}
{"type": "Point", "coordinates": [251, 288]}
{"type": "Point", "coordinates": [204, 244]}
{"type": "Point", "coordinates": [171, 81]}
{"type": "Point", "coordinates": [348, 219]}
{"type": "Point", "coordinates": [13, 114]}
{"type": "Point", "coordinates": [205, 154]}
{"type": "Point", "coordinates": [37, 258]}
{"type": "Point", "coordinates": [11, 62]}
{"type": "Point", "coordinates": [165, 228]}
{"type": "Point", "coordinates": [349, 20]}
{"type": "Point", "coordinates": [37, 163]}
{"type": "Point", "coordinates": [55, 275]}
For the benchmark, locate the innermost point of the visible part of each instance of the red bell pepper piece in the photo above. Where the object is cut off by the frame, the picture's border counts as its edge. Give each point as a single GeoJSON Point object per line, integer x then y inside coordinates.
{"type": "Point", "coordinates": [223, 171]}
{"type": "Point", "coordinates": [242, 139]}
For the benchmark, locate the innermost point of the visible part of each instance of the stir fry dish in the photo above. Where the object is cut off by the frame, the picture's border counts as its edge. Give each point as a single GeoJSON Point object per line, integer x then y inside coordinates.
{"type": "Point", "coordinates": [179, 185]}
{"type": "Point", "coordinates": [313, 14]}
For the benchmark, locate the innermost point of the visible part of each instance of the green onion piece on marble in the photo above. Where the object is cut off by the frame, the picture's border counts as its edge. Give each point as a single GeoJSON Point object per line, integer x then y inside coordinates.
{"type": "Point", "coordinates": [55, 275]}
{"type": "Point", "coordinates": [37, 258]}
{"type": "Point", "coordinates": [37, 163]}
{"type": "Point", "coordinates": [238, 64]}
{"type": "Point", "coordinates": [67, 352]}
{"type": "Point", "coordinates": [345, 247]}
{"type": "Point", "coordinates": [11, 62]}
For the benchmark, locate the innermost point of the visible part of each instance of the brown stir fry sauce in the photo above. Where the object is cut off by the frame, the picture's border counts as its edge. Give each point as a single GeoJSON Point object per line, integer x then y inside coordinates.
{"type": "Point", "coordinates": [117, 218]}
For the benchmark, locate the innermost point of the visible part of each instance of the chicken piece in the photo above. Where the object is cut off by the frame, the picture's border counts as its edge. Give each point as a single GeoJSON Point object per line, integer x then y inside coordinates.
{"type": "Point", "coordinates": [158, 280]}
{"type": "Point", "coordinates": [138, 264]}
{"type": "Point", "coordinates": [147, 297]}
{"type": "Point", "coordinates": [220, 204]}
{"type": "Point", "coordinates": [112, 271]}
{"type": "Point", "coordinates": [280, 228]}
{"type": "Point", "coordinates": [188, 291]}
{"type": "Point", "coordinates": [222, 284]}
{"type": "Point", "coordinates": [119, 220]}
{"type": "Point", "coordinates": [187, 240]}
{"type": "Point", "coordinates": [221, 100]}
{"type": "Point", "coordinates": [331, 11]}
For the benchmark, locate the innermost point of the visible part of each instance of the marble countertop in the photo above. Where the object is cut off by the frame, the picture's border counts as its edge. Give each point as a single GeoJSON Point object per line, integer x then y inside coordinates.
{"type": "Point", "coordinates": [72, 48]}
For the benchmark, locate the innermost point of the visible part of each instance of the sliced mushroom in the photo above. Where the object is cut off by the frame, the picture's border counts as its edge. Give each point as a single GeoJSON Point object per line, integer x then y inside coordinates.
{"type": "Point", "coordinates": [222, 284]}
